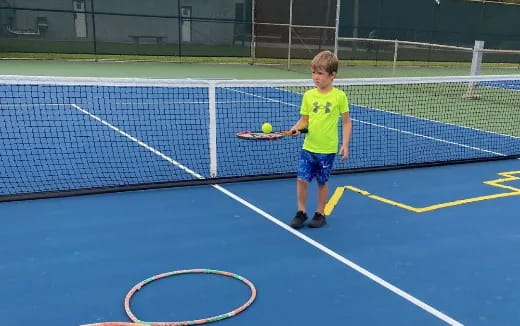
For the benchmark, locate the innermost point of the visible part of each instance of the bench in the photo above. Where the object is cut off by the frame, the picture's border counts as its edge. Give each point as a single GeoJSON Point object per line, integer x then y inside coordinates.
{"type": "Point", "coordinates": [138, 39]}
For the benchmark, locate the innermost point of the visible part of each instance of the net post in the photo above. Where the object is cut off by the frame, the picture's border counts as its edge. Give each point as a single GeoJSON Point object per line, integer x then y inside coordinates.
{"type": "Point", "coordinates": [212, 129]}
{"type": "Point", "coordinates": [476, 64]}
{"type": "Point", "coordinates": [396, 46]}
{"type": "Point", "coordinates": [355, 19]}
{"type": "Point", "coordinates": [179, 30]}
{"type": "Point", "coordinates": [336, 31]}
{"type": "Point", "coordinates": [253, 43]}
{"type": "Point", "coordinates": [93, 15]}
{"type": "Point", "coordinates": [290, 36]}
{"type": "Point", "coordinates": [476, 61]}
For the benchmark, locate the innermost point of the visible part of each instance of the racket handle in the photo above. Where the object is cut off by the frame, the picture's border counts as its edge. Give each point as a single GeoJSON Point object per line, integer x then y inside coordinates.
{"type": "Point", "coordinates": [303, 131]}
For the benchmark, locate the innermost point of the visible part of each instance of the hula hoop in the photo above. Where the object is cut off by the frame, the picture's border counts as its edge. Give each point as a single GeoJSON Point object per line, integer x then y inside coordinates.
{"type": "Point", "coordinates": [137, 322]}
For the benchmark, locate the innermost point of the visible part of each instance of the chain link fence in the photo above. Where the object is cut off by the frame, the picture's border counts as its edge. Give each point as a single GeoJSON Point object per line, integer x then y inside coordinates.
{"type": "Point", "coordinates": [159, 28]}
{"type": "Point", "coordinates": [449, 22]}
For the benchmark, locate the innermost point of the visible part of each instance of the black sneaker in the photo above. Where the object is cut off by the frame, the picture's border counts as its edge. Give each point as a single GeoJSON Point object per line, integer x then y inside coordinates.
{"type": "Point", "coordinates": [318, 220]}
{"type": "Point", "coordinates": [298, 220]}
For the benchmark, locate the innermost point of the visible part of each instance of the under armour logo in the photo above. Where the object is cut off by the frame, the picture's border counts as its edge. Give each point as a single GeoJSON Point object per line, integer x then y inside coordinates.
{"type": "Point", "coordinates": [327, 107]}
{"type": "Point", "coordinates": [316, 107]}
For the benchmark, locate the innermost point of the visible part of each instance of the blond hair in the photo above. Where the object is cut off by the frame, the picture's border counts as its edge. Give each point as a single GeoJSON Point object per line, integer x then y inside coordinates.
{"type": "Point", "coordinates": [325, 60]}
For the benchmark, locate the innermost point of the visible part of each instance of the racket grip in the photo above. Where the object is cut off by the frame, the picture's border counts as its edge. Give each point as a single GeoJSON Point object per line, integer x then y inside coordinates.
{"type": "Point", "coordinates": [303, 131]}
{"type": "Point", "coordinates": [293, 132]}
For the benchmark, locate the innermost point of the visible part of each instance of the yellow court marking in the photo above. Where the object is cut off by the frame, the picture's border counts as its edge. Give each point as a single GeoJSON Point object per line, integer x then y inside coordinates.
{"type": "Point", "coordinates": [506, 177]}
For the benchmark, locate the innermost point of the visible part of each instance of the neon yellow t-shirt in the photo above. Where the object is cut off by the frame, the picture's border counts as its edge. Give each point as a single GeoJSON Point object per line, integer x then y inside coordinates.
{"type": "Point", "coordinates": [323, 111]}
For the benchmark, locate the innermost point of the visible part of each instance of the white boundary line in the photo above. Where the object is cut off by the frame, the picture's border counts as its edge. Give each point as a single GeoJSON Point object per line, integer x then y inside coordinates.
{"type": "Point", "coordinates": [140, 143]}
{"type": "Point", "coordinates": [20, 105]}
{"type": "Point", "coordinates": [284, 226]}
{"type": "Point", "coordinates": [400, 130]}
{"type": "Point", "coordinates": [184, 102]}
{"type": "Point", "coordinates": [435, 121]}
{"type": "Point", "coordinates": [17, 105]}
{"type": "Point", "coordinates": [431, 138]}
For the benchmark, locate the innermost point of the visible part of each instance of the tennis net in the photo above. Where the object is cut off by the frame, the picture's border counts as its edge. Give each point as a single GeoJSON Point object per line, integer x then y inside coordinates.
{"type": "Point", "coordinates": [67, 136]}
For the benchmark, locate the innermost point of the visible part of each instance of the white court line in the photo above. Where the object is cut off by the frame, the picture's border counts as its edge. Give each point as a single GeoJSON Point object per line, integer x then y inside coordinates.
{"type": "Point", "coordinates": [400, 130]}
{"type": "Point", "coordinates": [184, 102]}
{"type": "Point", "coordinates": [284, 226]}
{"type": "Point", "coordinates": [140, 143]}
{"type": "Point", "coordinates": [20, 105]}
{"type": "Point", "coordinates": [360, 121]}
{"type": "Point", "coordinates": [434, 121]}
{"type": "Point", "coordinates": [16, 105]}
{"type": "Point", "coordinates": [433, 138]}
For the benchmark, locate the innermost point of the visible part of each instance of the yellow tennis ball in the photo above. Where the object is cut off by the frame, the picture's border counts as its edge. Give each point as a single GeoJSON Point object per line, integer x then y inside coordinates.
{"type": "Point", "coordinates": [267, 128]}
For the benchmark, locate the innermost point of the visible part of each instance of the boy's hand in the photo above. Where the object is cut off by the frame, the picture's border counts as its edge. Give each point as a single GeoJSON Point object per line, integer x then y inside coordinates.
{"type": "Point", "coordinates": [294, 132]}
{"type": "Point", "coordinates": [343, 151]}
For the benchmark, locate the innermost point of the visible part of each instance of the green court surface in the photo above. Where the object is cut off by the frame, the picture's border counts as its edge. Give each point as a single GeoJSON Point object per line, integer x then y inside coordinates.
{"type": "Point", "coordinates": [226, 68]}
{"type": "Point", "coordinates": [29, 67]}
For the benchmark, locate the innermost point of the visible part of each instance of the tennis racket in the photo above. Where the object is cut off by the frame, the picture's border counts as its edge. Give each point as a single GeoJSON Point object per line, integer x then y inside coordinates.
{"type": "Point", "coordinates": [258, 135]}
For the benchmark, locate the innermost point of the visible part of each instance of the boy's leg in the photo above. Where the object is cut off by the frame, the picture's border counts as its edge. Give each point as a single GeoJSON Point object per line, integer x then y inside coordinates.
{"type": "Point", "coordinates": [305, 174]}
{"type": "Point", "coordinates": [319, 220]}
{"type": "Point", "coordinates": [301, 193]}
{"type": "Point", "coordinates": [323, 192]}
{"type": "Point", "coordinates": [322, 177]}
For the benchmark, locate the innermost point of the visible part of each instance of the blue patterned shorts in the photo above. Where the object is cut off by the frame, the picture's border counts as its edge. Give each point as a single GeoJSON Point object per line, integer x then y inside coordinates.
{"type": "Point", "coordinates": [313, 165]}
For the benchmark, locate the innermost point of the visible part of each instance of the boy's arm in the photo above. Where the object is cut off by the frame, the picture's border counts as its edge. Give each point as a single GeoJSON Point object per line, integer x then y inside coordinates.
{"type": "Point", "coordinates": [304, 117]}
{"type": "Point", "coordinates": [347, 131]}
{"type": "Point", "coordinates": [300, 124]}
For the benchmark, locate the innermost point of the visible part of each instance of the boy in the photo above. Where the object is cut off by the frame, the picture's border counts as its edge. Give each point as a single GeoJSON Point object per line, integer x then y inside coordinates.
{"type": "Point", "coordinates": [320, 110]}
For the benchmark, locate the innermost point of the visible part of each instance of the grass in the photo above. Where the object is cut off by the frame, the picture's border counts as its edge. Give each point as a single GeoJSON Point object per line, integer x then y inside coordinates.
{"type": "Point", "coordinates": [348, 68]}
{"type": "Point", "coordinates": [495, 110]}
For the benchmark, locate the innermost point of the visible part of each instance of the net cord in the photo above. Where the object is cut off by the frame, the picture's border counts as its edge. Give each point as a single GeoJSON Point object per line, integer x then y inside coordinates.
{"type": "Point", "coordinates": [145, 82]}
{"type": "Point", "coordinates": [441, 46]}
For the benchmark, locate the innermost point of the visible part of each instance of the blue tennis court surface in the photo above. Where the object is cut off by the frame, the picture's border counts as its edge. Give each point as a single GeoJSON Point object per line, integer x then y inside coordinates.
{"type": "Point", "coordinates": [71, 261]}
{"type": "Point", "coordinates": [103, 136]}
{"type": "Point", "coordinates": [511, 84]}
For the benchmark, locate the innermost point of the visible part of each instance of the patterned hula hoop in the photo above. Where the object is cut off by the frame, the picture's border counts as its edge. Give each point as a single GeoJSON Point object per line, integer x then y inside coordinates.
{"type": "Point", "coordinates": [137, 322]}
